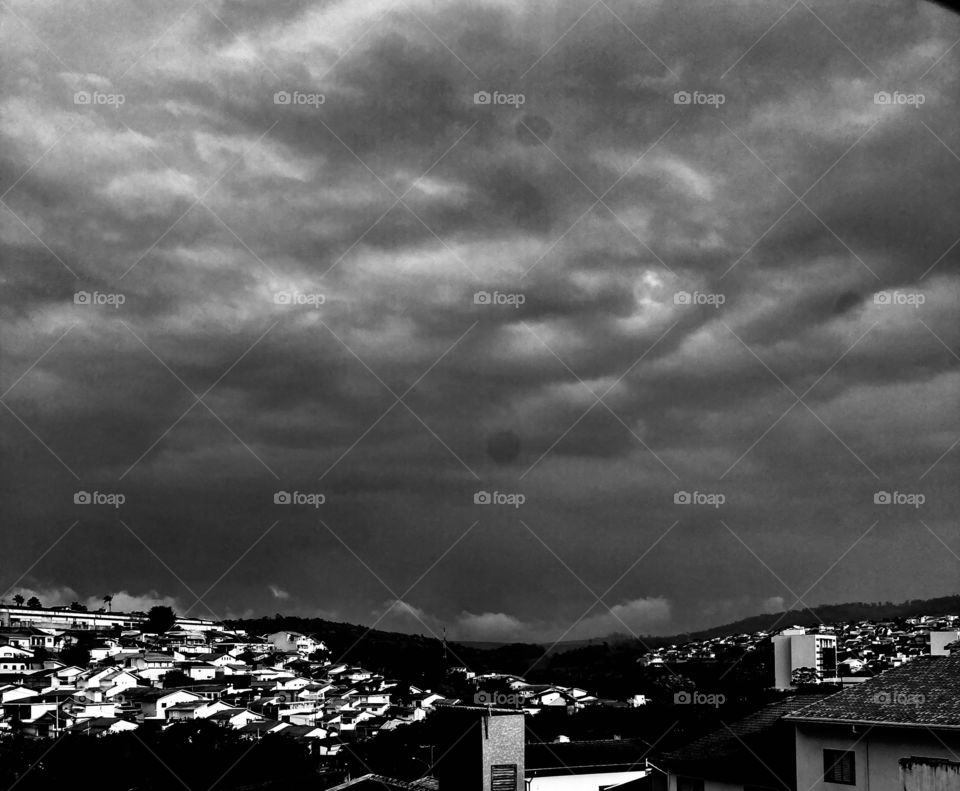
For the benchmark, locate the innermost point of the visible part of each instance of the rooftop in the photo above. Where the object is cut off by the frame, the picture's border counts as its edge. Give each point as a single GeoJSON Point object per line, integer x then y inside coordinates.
{"type": "Point", "coordinates": [923, 693]}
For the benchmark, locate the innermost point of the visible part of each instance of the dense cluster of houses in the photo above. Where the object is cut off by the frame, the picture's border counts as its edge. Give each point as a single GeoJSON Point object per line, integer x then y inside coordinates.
{"type": "Point", "coordinates": [274, 683]}
{"type": "Point", "coordinates": [281, 683]}
{"type": "Point", "coordinates": [863, 648]}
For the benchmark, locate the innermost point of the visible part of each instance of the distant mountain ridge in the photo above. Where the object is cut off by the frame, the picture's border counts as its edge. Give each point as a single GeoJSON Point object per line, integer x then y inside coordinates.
{"type": "Point", "coordinates": [342, 635]}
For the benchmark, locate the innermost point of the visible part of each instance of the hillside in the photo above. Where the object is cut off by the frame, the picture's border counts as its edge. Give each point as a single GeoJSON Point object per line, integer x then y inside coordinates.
{"type": "Point", "coordinates": [417, 657]}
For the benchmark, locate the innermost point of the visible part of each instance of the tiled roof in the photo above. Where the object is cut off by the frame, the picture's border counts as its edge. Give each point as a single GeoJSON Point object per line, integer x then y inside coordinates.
{"type": "Point", "coordinates": [757, 750]}
{"type": "Point", "coordinates": [924, 692]}
{"type": "Point", "coordinates": [727, 740]}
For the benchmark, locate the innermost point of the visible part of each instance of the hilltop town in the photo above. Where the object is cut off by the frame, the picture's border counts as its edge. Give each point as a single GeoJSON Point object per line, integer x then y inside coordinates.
{"type": "Point", "coordinates": [66, 672]}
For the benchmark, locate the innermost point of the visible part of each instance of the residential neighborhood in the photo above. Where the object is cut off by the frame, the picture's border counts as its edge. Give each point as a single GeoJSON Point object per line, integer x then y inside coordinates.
{"type": "Point", "coordinates": [871, 695]}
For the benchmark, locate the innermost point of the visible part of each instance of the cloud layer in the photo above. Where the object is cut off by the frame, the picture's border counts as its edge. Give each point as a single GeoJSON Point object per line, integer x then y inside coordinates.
{"type": "Point", "coordinates": [283, 216]}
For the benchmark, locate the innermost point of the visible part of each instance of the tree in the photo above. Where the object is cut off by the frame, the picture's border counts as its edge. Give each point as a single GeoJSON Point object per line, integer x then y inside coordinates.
{"type": "Point", "coordinates": [34, 602]}
{"type": "Point", "coordinates": [803, 676]}
{"type": "Point", "coordinates": [160, 619]}
{"type": "Point", "coordinates": [77, 653]}
{"type": "Point", "coordinates": [108, 600]}
{"type": "Point", "coordinates": [176, 678]}
{"type": "Point", "coordinates": [18, 600]}
{"type": "Point", "coordinates": [76, 606]}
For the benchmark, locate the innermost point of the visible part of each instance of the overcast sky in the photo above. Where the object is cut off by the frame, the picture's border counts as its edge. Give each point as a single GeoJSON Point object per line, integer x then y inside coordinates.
{"type": "Point", "coordinates": [283, 300]}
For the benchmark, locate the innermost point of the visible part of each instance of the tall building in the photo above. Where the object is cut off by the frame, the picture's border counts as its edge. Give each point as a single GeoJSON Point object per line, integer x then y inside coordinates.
{"type": "Point", "coordinates": [940, 640]}
{"type": "Point", "coordinates": [485, 750]}
{"type": "Point", "coordinates": [795, 648]}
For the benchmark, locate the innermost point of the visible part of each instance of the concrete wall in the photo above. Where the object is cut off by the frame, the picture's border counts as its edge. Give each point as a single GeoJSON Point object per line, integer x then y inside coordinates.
{"type": "Point", "coordinates": [585, 782]}
{"type": "Point", "coordinates": [878, 753]}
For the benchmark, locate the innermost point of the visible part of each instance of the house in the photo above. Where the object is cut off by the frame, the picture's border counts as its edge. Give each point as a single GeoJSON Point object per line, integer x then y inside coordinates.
{"type": "Point", "coordinates": [234, 717]}
{"type": "Point", "coordinates": [101, 726]}
{"type": "Point", "coordinates": [150, 703]}
{"type": "Point", "coordinates": [899, 731]}
{"type": "Point", "coordinates": [754, 752]}
{"type": "Point", "coordinates": [296, 642]}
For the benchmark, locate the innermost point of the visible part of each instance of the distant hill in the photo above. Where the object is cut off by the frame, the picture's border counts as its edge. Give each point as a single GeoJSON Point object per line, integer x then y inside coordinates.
{"type": "Point", "coordinates": [826, 613]}
{"type": "Point", "coordinates": [419, 656]}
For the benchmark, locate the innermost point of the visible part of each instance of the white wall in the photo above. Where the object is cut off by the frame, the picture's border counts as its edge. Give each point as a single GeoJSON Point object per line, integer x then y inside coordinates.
{"type": "Point", "coordinates": [877, 754]}
{"type": "Point", "coordinates": [591, 782]}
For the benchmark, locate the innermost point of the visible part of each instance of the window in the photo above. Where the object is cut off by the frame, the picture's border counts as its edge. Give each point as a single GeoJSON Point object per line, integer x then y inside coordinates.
{"type": "Point", "coordinates": [839, 766]}
{"type": "Point", "coordinates": [689, 784]}
{"type": "Point", "coordinates": [503, 777]}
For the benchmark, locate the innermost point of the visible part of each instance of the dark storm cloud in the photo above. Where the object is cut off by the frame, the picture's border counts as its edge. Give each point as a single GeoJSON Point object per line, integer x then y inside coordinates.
{"type": "Point", "coordinates": [496, 198]}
